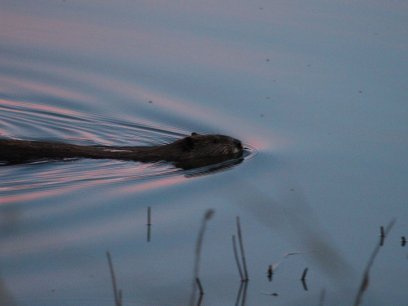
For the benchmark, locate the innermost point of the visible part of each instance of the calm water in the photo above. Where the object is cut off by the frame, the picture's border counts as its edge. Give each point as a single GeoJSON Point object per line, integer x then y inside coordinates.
{"type": "Point", "coordinates": [316, 90]}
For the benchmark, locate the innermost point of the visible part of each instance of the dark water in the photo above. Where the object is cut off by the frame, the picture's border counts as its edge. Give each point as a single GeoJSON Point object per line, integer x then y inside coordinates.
{"type": "Point", "coordinates": [316, 90]}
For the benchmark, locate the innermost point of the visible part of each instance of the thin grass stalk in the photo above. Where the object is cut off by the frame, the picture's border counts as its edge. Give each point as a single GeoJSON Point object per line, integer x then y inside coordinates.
{"type": "Point", "coordinates": [303, 279]}
{"type": "Point", "coordinates": [304, 274]}
{"type": "Point", "coordinates": [366, 275]}
{"type": "Point", "coordinates": [207, 216]}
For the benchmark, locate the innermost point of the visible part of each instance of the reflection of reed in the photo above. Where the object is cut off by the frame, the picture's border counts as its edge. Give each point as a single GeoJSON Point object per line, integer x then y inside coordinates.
{"type": "Point", "coordinates": [234, 247]}
{"type": "Point", "coordinates": [116, 293]}
{"type": "Point", "coordinates": [200, 288]}
{"type": "Point", "coordinates": [366, 275]}
{"type": "Point", "coordinates": [149, 223]}
{"type": "Point", "coordinates": [242, 293]}
{"type": "Point", "coordinates": [241, 265]}
{"type": "Point", "coordinates": [200, 299]}
{"type": "Point", "coordinates": [241, 248]}
{"type": "Point", "coordinates": [243, 272]}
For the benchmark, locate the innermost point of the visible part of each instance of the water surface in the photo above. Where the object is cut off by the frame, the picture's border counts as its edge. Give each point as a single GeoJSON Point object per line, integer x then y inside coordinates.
{"type": "Point", "coordinates": [316, 90]}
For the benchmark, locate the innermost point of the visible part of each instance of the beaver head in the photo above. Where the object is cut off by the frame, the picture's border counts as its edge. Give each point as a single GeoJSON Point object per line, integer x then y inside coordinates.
{"type": "Point", "coordinates": [196, 150]}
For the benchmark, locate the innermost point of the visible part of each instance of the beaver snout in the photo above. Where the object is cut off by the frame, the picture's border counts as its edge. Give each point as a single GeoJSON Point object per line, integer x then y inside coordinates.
{"type": "Point", "coordinates": [238, 148]}
{"type": "Point", "coordinates": [238, 144]}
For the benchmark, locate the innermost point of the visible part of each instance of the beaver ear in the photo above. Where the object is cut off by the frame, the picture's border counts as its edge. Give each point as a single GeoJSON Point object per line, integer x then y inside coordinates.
{"type": "Point", "coordinates": [188, 144]}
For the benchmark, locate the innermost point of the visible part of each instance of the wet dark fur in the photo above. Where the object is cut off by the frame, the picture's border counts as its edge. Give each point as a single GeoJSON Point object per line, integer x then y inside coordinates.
{"type": "Point", "coordinates": [189, 152]}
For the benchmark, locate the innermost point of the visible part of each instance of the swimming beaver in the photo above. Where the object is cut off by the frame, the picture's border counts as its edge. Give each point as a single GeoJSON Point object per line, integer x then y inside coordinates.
{"type": "Point", "coordinates": [189, 152]}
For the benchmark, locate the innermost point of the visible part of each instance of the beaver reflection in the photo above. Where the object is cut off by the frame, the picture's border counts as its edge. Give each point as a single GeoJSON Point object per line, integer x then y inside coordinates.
{"type": "Point", "coordinates": [189, 152]}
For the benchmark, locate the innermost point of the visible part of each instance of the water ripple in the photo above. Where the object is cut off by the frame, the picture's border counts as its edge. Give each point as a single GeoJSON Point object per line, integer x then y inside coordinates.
{"type": "Point", "coordinates": [46, 102]}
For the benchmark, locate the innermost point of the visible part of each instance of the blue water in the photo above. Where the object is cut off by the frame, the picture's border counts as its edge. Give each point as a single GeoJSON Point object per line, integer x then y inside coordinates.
{"type": "Point", "coordinates": [316, 90]}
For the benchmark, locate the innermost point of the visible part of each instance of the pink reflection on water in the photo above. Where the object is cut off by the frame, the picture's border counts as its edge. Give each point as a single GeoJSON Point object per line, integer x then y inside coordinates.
{"type": "Point", "coordinates": [151, 185]}
{"type": "Point", "coordinates": [200, 48]}
{"type": "Point", "coordinates": [40, 107]}
{"type": "Point", "coordinates": [34, 85]}
{"type": "Point", "coordinates": [270, 142]}
{"type": "Point", "coordinates": [89, 136]}
{"type": "Point", "coordinates": [32, 196]}
{"type": "Point", "coordinates": [137, 177]}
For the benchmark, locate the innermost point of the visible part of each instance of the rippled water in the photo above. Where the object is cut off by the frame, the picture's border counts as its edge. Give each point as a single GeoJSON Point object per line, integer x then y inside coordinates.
{"type": "Point", "coordinates": [315, 90]}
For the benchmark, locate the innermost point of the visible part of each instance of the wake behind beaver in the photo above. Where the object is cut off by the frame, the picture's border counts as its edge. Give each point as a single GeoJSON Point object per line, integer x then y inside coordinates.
{"type": "Point", "coordinates": [189, 152]}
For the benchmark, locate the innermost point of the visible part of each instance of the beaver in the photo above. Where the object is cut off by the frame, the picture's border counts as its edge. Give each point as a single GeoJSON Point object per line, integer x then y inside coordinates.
{"type": "Point", "coordinates": [189, 152]}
